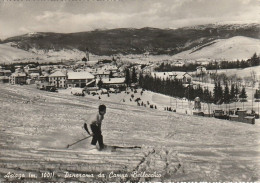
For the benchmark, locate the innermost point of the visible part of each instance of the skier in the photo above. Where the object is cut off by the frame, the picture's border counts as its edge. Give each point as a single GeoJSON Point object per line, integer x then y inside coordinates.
{"type": "Point", "coordinates": [95, 123]}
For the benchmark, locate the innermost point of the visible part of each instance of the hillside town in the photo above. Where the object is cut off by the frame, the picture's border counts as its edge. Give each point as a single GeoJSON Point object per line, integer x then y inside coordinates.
{"type": "Point", "coordinates": [107, 76]}
{"type": "Point", "coordinates": [130, 91]}
{"type": "Point", "coordinates": [83, 74]}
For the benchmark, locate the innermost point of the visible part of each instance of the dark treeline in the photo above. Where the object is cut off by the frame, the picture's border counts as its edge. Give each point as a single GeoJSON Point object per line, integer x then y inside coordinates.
{"type": "Point", "coordinates": [227, 95]}
{"type": "Point", "coordinates": [175, 88]}
{"type": "Point", "coordinates": [253, 61]}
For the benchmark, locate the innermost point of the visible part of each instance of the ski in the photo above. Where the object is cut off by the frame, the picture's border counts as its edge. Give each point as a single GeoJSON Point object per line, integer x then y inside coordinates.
{"type": "Point", "coordinates": [124, 147]}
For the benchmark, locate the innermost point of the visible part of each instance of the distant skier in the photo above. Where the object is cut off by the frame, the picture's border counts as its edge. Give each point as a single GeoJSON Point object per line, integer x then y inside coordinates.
{"type": "Point", "coordinates": [95, 123]}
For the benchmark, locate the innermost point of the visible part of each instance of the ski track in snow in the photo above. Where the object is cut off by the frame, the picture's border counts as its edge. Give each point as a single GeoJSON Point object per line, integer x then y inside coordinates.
{"type": "Point", "coordinates": [36, 126]}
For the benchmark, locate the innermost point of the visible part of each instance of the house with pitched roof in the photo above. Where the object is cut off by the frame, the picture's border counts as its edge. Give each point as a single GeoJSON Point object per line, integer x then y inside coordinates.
{"type": "Point", "coordinates": [18, 78]}
{"type": "Point", "coordinates": [80, 79]}
{"type": "Point", "coordinates": [58, 79]}
{"type": "Point", "coordinates": [112, 82]}
{"type": "Point", "coordinates": [102, 74]}
{"type": "Point", "coordinates": [182, 76]}
{"type": "Point", "coordinates": [148, 69]}
{"type": "Point", "coordinates": [4, 75]}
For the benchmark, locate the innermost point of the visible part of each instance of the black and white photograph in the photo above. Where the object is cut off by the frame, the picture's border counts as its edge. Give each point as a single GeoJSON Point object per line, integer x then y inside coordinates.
{"type": "Point", "coordinates": [129, 91]}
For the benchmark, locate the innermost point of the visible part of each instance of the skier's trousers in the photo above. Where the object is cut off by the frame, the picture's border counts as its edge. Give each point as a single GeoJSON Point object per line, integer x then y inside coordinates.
{"type": "Point", "coordinates": [97, 135]}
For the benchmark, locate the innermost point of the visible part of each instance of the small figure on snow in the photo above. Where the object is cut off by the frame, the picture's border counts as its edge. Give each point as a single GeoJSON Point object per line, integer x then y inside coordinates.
{"type": "Point", "coordinates": [95, 123]}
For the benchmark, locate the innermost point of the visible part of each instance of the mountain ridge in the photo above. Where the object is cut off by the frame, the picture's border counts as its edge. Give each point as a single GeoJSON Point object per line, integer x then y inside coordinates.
{"type": "Point", "coordinates": [134, 41]}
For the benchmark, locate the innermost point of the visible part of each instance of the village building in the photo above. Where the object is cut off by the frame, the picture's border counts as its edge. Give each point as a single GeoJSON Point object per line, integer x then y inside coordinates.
{"type": "Point", "coordinates": [101, 74]}
{"type": "Point", "coordinates": [163, 75]}
{"type": "Point", "coordinates": [18, 68]}
{"type": "Point", "coordinates": [148, 69]}
{"type": "Point", "coordinates": [64, 71]}
{"type": "Point", "coordinates": [44, 77]}
{"type": "Point", "coordinates": [80, 63]}
{"type": "Point", "coordinates": [46, 68]}
{"type": "Point", "coordinates": [4, 75]}
{"type": "Point", "coordinates": [242, 117]}
{"type": "Point", "coordinates": [58, 79]}
{"type": "Point", "coordinates": [105, 61]}
{"type": "Point", "coordinates": [34, 76]}
{"type": "Point", "coordinates": [178, 63]}
{"type": "Point", "coordinates": [185, 77]}
{"type": "Point", "coordinates": [42, 85]}
{"type": "Point", "coordinates": [91, 63]}
{"type": "Point", "coordinates": [18, 78]}
{"type": "Point", "coordinates": [30, 81]}
{"type": "Point", "coordinates": [90, 70]}
{"type": "Point", "coordinates": [203, 61]}
{"type": "Point", "coordinates": [112, 83]}
{"type": "Point", "coordinates": [80, 79]}
{"type": "Point", "coordinates": [112, 68]}
{"type": "Point", "coordinates": [122, 68]}
{"type": "Point", "coordinates": [4, 79]}
{"type": "Point", "coordinates": [29, 69]}
{"type": "Point", "coordinates": [33, 70]}
{"type": "Point", "coordinates": [201, 70]}
{"type": "Point", "coordinates": [118, 74]}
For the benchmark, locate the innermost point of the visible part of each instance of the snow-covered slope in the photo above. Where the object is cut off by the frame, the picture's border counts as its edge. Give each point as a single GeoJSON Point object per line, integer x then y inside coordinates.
{"type": "Point", "coordinates": [64, 54]}
{"type": "Point", "coordinates": [238, 47]}
{"type": "Point", "coordinates": [9, 54]}
{"type": "Point", "coordinates": [36, 127]}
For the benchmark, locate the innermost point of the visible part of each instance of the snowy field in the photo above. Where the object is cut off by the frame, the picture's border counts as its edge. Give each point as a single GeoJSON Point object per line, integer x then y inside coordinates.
{"type": "Point", "coordinates": [246, 72]}
{"type": "Point", "coordinates": [182, 106]}
{"type": "Point", "coordinates": [238, 47]}
{"type": "Point", "coordinates": [36, 126]}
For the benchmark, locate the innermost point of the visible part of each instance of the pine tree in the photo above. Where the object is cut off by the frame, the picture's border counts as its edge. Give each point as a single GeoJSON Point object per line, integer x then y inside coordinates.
{"type": "Point", "coordinates": [218, 93]}
{"type": "Point", "coordinates": [257, 94]}
{"type": "Point", "coordinates": [232, 92]}
{"type": "Point", "coordinates": [100, 83]}
{"type": "Point", "coordinates": [215, 93]}
{"type": "Point", "coordinates": [127, 77]}
{"type": "Point", "coordinates": [226, 96]}
{"type": "Point", "coordinates": [206, 96]}
{"type": "Point", "coordinates": [255, 60]}
{"type": "Point", "coordinates": [243, 94]}
{"type": "Point", "coordinates": [191, 93]}
{"type": "Point", "coordinates": [134, 76]}
{"type": "Point", "coordinates": [140, 80]}
{"type": "Point", "coordinates": [236, 91]}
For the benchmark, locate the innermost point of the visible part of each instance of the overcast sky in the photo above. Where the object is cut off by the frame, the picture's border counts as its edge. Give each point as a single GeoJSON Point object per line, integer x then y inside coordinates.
{"type": "Point", "coordinates": [23, 16]}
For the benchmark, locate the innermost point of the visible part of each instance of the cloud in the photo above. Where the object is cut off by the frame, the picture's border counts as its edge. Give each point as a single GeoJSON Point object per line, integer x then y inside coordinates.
{"type": "Point", "coordinates": [67, 22]}
{"type": "Point", "coordinates": [158, 14]}
{"type": "Point", "coordinates": [79, 16]}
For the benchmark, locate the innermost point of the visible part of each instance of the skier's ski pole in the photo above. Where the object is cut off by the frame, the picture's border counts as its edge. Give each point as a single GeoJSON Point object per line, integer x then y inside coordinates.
{"type": "Point", "coordinates": [78, 141]}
